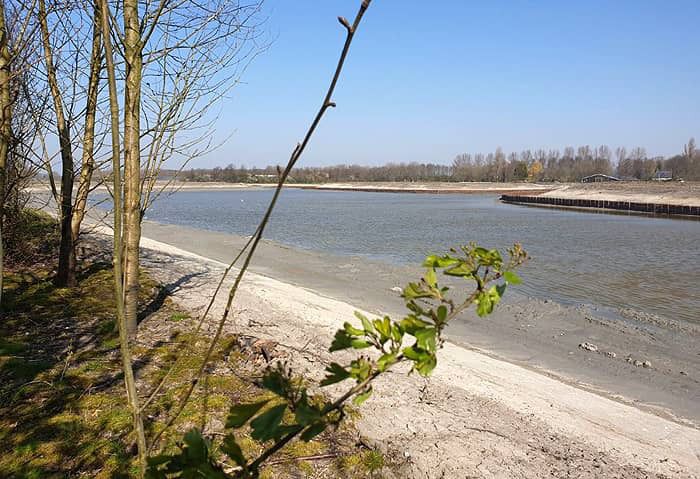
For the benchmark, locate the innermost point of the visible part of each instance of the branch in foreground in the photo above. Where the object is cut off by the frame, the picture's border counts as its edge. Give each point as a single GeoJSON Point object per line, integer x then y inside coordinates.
{"type": "Point", "coordinates": [296, 154]}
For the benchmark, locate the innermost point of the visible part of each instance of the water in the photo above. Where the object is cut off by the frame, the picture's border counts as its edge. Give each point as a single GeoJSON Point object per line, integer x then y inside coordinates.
{"type": "Point", "coordinates": [648, 264]}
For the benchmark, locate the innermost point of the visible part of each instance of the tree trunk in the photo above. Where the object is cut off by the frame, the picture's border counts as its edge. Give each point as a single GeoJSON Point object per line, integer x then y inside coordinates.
{"type": "Point", "coordinates": [88, 159]}
{"type": "Point", "coordinates": [132, 161]}
{"type": "Point", "coordinates": [66, 254]}
{"type": "Point", "coordinates": [5, 127]}
{"type": "Point", "coordinates": [129, 381]}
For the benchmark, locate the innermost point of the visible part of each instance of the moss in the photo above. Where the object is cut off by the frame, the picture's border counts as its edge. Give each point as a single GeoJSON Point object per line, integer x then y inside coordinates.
{"type": "Point", "coordinates": [8, 348]}
{"type": "Point", "coordinates": [177, 317]}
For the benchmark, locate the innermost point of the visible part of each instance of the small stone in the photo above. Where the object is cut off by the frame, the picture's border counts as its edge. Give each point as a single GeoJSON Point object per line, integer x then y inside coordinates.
{"type": "Point", "coordinates": [611, 354]}
{"type": "Point", "coordinates": [646, 364]}
{"type": "Point", "coordinates": [396, 289]}
{"type": "Point", "coordinates": [629, 359]}
{"type": "Point", "coordinates": [638, 363]}
{"type": "Point", "coordinates": [684, 373]}
{"type": "Point", "coordinates": [589, 347]}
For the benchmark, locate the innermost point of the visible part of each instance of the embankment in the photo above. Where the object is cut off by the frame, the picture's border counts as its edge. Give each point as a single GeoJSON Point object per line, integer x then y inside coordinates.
{"type": "Point", "coordinates": [671, 199]}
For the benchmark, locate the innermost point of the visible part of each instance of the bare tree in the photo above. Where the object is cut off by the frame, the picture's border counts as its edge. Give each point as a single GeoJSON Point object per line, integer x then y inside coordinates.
{"type": "Point", "coordinates": [179, 60]}
{"type": "Point", "coordinates": [65, 32]}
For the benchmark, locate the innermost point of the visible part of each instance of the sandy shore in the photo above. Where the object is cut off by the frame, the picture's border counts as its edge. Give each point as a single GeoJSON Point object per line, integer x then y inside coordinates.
{"type": "Point", "coordinates": [513, 396]}
{"type": "Point", "coordinates": [387, 187]}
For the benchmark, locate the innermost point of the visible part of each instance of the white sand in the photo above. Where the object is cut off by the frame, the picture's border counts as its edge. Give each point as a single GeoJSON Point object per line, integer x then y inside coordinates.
{"type": "Point", "coordinates": [477, 416]}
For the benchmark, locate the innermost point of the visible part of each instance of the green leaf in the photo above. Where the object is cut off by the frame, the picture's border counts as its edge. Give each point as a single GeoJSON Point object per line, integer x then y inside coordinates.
{"type": "Point", "coordinates": [365, 322]}
{"type": "Point", "coordinates": [385, 361]}
{"type": "Point", "coordinates": [383, 327]}
{"type": "Point", "coordinates": [231, 448]}
{"type": "Point", "coordinates": [342, 340]}
{"type": "Point", "coordinates": [441, 314]}
{"type": "Point", "coordinates": [350, 329]}
{"type": "Point", "coordinates": [360, 369]}
{"type": "Point", "coordinates": [424, 361]}
{"type": "Point", "coordinates": [430, 277]}
{"type": "Point", "coordinates": [414, 291]}
{"type": "Point", "coordinates": [434, 261]}
{"type": "Point", "coordinates": [426, 365]}
{"type": "Point", "coordinates": [411, 324]}
{"type": "Point", "coordinates": [276, 381]}
{"type": "Point", "coordinates": [266, 426]}
{"type": "Point", "coordinates": [239, 414]}
{"type": "Point", "coordinates": [362, 397]}
{"type": "Point", "coordinates": [360, 344]}
{"type": "Point", "coordinates": [487, 300]}
{"type": "Point", "coordinates": [313, 431]}
{"type": "Point", "coordinates": [512, 278]}
{"type": "Point", "coordinates": [462, 270]}
{"type": "Point", "coordinates": [426, 340]}
{"type": "Point", "coordinates": [196, 446]}
{"type": "Point", "coordinates": [336, 373]}
{"type": "Point", "coordinates": [305, 413]}
{"type": "Point", "coordinates": [396, 333]}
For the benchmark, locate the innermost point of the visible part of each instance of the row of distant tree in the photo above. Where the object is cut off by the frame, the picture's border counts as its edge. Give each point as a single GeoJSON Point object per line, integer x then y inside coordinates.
{"type": "Point", "coordinates": [568, 165]}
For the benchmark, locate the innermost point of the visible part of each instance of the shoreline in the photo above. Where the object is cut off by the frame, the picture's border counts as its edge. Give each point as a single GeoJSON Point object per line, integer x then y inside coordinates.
{"type": "Point", "coordinates": [540, 334]}
{"type": "Point", "coordinates": [510, 397]}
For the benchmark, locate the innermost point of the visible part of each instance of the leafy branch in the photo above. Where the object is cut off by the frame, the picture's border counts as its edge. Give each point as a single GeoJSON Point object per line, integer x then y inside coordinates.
{"type": "Point", "coordinates": [296, 413]}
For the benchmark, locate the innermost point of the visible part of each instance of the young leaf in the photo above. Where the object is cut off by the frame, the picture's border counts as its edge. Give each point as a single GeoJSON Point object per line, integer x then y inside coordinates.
{"type": "Point", "coordinates": [350, 329]}
{"type": "Point", "coordinates": [239, 414]}
{"type": "Point", "coordinates": [512, 278]}
{"type": "Point", "coordinates": [441, 314]}
{"type": "Point", "coordinates": [430, 277]}
{"type": "Point", "coordinates": [425, 339]}
{"type": "Point", "coordinates": [362, 397]}
{"type": "Point", "coordinates": [368, 328]}
{"type": "Point", "coordinates": [383, 327]}
{"type": "Point", "coordinates": [266, 425]}
{"type": "Point", "coordinates": [484, 305]}
{"type": "Point", "coordinates": [434, 261]}
{"type": "Point", "coordinates": [360, 344]}
{"type": "Point", "coordinates": [336, 373]}
{"type": "Point", "coordinates": [411, 324]}
{"type": "Point", "coordinates": [385, 361]}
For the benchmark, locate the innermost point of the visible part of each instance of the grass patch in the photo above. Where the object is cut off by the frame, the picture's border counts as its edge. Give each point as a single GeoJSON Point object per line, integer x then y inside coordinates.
{"type": "Point", "coordinates": [63, 409]}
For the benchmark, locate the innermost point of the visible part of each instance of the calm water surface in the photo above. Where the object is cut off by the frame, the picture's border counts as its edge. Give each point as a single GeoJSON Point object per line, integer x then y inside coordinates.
{"type": "Point", "coordinates": [649, 264]}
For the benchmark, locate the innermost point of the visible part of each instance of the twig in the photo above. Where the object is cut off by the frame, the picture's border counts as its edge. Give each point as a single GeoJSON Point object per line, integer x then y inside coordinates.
{"type": "Point", "coordinates": [296, 154]}
{"type": "Point", "coordinates": [317, 457]}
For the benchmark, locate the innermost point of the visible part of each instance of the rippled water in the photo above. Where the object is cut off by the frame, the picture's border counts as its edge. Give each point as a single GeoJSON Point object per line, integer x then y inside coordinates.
{"type": "Point", "coordinates": [649, 264]}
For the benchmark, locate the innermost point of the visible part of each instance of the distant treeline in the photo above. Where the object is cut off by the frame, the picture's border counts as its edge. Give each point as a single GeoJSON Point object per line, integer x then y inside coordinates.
{"type": "Point", "coordinates": [540, 165]}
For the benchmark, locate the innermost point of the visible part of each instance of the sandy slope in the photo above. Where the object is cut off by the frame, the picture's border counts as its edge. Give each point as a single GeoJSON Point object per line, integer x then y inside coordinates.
{"type": "Point", "coordinates": [476, 417]}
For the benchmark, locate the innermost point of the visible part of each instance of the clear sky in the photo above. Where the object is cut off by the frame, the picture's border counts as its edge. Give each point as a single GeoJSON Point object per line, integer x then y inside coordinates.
{"type": "Point", "coordinates": [427, 80]}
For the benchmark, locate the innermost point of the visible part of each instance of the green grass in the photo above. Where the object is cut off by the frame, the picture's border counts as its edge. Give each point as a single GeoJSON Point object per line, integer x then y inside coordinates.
{"type": "Point", "coordinates": [63, 409]}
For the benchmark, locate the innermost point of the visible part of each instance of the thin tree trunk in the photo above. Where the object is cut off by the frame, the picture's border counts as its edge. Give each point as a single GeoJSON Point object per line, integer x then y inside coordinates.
{"type": "Point", "coordinates": [132, 160]}
{"type": "Point", "coordinates": [5, 127]}
{"type": "Point", "coordinates": [88, 159]}
{"type": "Point", "coordinates": [66, 254]}
{"type": "Point", "coordinates": [129, 381]}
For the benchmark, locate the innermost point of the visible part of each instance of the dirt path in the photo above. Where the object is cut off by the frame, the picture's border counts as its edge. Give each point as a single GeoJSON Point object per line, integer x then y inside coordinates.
{"type": "Point", "coordinates": [476, 417]}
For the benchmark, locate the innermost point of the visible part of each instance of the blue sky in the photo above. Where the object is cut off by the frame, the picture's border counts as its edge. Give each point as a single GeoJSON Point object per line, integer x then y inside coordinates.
{"type": "Point", "coordinates": [426, 80]}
